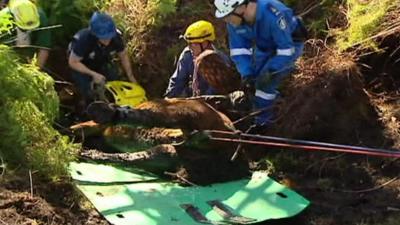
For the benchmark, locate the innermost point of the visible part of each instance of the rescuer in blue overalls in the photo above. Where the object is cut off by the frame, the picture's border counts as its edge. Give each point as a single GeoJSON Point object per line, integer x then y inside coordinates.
{"type": "Point", "coordinates": [265, 40]}
{"type": "Point", "coordinates": [200, 36]}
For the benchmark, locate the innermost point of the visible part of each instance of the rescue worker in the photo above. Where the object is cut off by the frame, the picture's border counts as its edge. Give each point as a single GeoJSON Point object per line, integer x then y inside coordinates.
{"type": "Point", "coordinates": [265, 40]}
{"type": "Point", "coordinates": [90, 56]}
{"type": "Point", "coordinates": [26, 33]}
{"type": "Point", "coordinates": [185, 81]}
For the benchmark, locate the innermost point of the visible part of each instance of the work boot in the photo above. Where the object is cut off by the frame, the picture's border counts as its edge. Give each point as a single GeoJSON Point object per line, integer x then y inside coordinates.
{"type": "Point", "coordinates": [102, 112]}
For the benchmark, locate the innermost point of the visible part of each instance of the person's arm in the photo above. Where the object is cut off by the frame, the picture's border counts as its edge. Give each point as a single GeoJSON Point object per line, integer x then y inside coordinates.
{"type": "Point", "coordinates": [75, 63]}
{"type": "Point", "coordinates": [180, 79]}
{"type": "Point", "coordinates": [42, 39]}
{"type": "Point", "coordinates": [241, 52]}
{"type": "Point", "coordinates": [43, 55]}
{"type": "Point", "coordinates": [285, 49]}
{"type": "Point", "coordinates": [126, 64]}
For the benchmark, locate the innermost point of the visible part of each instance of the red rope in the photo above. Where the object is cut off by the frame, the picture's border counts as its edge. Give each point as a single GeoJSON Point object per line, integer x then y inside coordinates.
{"type": "Point", "coordinates": [294, 141]}
{"type": "Point", "coordinates": [310, 148]}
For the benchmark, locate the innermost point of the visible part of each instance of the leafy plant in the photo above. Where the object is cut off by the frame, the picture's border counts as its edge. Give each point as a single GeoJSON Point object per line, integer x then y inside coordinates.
{"type": "Point", "coordinates": [6, 24]}
{"type": "Point", "coordinates": [29, 106]}
{"type": "Point", "coordinates": [73, 15]}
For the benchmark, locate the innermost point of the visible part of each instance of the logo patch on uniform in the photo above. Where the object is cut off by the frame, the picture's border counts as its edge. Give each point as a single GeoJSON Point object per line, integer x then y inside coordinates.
{"type": "Point", "coordinates": [92, 55]}
{"type": "Point", "coordinates": [241, 31]}
{"type": "Point", "coordinates": [282, 23]}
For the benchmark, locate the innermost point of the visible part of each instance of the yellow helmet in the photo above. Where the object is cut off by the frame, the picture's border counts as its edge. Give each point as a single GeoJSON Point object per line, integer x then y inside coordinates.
{"type": "Point", "coordinates": [199, 31]}
{"type": "Point", "coordinates": [126, 93]}
{"type": "Point", "coordinates": [25, 14]}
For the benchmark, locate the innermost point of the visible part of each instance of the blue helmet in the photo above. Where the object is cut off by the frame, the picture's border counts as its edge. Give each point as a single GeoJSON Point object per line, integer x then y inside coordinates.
{"type": "Point", "coordinates": [102, 26]}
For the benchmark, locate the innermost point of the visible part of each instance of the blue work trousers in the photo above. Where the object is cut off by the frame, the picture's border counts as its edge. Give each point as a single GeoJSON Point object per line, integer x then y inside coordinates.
{"type": "Point", "coordinates": [267, 85]}
{"type": "Point", "coordinates": [84, 82]}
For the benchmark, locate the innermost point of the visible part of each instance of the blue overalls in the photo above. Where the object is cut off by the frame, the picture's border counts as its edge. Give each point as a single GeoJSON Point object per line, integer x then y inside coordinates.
{"type": "Point", "coordinates": [96, 57]}
{"type": "Point", "coordinates": [266, 52]}
{"type": "Point", "coordinates": [180, 83]}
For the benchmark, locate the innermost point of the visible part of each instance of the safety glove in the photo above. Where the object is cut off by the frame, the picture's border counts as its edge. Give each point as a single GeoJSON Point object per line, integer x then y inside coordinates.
{"type": "Point", "coordinates": [248, 86]}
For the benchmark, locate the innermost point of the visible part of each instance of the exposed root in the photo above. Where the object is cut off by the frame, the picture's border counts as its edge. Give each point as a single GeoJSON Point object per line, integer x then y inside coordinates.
{"type": "Point", "coordinates": [389, 113]}
{"type": "Point", "coordinates": [369, 189]}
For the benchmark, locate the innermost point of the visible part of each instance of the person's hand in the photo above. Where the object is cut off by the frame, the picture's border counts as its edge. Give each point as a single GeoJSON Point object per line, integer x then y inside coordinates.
{"type": "Point", "coordinates": [97, 86]}
{"type": "Point", "coordinates": [99, 79]}
{"type": "Point", "coordinates": [248, 86]}
{"type": "Point", "coordinates": [132, 79]}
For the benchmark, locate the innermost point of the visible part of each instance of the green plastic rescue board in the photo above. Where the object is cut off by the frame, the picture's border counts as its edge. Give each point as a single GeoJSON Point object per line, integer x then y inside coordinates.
{"type": "Point", "coordinates": [145, 201]}
{"type": "Point", "coordinates": [103, 174]}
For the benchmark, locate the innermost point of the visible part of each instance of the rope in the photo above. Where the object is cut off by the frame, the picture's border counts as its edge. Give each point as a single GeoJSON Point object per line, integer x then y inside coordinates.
{"type": "Point", "coordinates": [296, 141]}
{"type": "Point", "coordinates": [299, 144]}
{"type": "Point", "coordinates": [310, 148]}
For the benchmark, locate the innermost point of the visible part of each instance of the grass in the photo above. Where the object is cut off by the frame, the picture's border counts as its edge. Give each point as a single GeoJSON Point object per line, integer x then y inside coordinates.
{"type": "Point", "coordinates": [364, 20]}
{"type": "Point", "coordinates": [138, 18]}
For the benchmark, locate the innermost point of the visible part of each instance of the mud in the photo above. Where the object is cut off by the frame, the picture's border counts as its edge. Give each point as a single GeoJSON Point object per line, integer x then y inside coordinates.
{"type": "Point", "coordinates": [329, 99]}
{"type": "Point", "coordinates": [328, 102]}
{"type": "Point", "coordinates": [197, 160]}
{"type": "Point", "coordinates": [50, 203]}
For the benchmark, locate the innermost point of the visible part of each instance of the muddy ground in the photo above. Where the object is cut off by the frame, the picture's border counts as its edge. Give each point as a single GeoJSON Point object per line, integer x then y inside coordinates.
{"type": "Point", "coordinates": [42, 202]}
{"type": "Point", "coordinates": [343, 189]}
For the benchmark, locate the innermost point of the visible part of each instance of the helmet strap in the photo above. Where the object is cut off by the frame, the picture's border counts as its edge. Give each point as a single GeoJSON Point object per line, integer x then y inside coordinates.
{"type": "Point", "coordinates": [202, 47]}
{"type": "Point", "coordinates": [238, 15]}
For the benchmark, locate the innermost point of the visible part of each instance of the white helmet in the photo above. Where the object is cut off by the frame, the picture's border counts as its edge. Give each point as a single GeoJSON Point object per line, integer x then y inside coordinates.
{"type": "Point", "coordinates": [225, 7]}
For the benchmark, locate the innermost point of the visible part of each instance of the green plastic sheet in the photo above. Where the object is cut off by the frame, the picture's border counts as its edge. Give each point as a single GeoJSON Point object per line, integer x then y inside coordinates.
{"type": "Point", "coordinates": [150, 202]}
{"type": "Point", "coordinates": [103, 174]}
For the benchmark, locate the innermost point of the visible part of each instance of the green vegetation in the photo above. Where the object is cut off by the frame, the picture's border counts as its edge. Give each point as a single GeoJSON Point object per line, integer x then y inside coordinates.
{"type": "Point", "coordinates": [318, 25]}
{"type": "Point", "coordinates": [73, 15]}
{"type": "Point", "coordinates": [6, 23]}
{"type": "Point", "coordinates": [138, 18]}
{"type": "Point", "coordinates": [30, 105]}
{"type": "Point", "coordinates": [364, 20]}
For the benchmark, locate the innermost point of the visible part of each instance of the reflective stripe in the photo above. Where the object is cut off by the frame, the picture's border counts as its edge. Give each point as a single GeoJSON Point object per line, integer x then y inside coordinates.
{"type": "Point", "coordinates": [265, 96]}
{"type": "Point", "coordinates": [241, 51]}
{"type": "Point", "coordinates": [285, 52]}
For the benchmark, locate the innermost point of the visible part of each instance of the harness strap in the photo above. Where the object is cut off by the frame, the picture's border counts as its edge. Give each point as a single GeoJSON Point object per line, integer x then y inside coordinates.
{"type": "Point", "coordinates": [227, 214]}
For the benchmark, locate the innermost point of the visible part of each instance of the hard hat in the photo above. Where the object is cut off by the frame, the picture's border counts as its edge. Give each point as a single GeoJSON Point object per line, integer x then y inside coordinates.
{"type": "Point", "coordinates": [102, 26]}
{"type": "Point", "coordinates": [199, 31]}
{"type": "Point", "coordinates": [225, 7]}
{"type": "Point", "coordinates": [126, 93]}
{"type": "Point", "coordinates": [25, 14]}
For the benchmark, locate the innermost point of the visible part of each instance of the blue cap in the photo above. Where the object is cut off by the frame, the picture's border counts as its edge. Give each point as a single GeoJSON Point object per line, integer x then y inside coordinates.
{"type": "Point", "coordinates": [102, 26]}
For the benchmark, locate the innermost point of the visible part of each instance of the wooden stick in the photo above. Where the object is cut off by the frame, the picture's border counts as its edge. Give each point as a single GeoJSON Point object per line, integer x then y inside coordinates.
{"type": "Point", "coordinates": [31, 182]}
{"type": "Point", "coordinates": [181, 178]}
{"type": "Point", "coordinates": [2, 167]}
